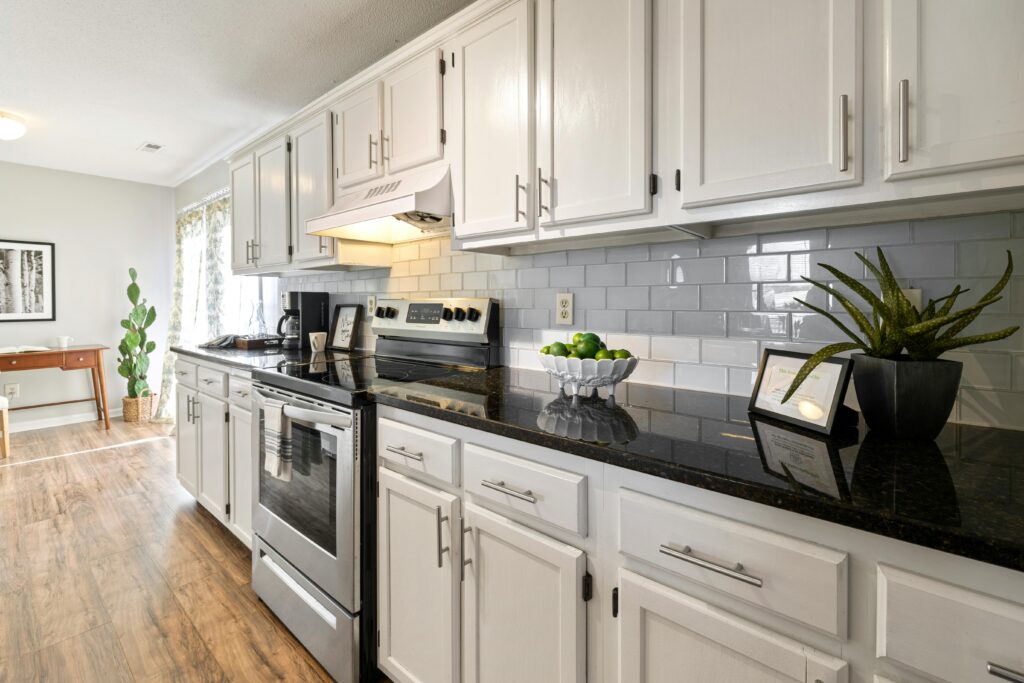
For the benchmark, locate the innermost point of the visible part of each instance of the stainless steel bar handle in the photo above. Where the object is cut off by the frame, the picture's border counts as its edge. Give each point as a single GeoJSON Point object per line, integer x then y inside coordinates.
{"type": "Point", "coordinates": [844, 133]}
{"type": "Point", "coordinates": [733, 573]}
{"type": "Point", "coordinates": [248, 251]}
{"type": "Point", "coordinates": [323, 245]}
{"type": "Point", "coordinates": [502, 488]}
{"type": "Point", "coordinates": [904, 122]}
{"type": "Point", "coordinates": [188, 409]}
{"type": "Point", "coordinates": [515, 215]}
{"type": "Point", "coordinates": [370, 149]}
{"type": "Point", "coordinates": [398, 450]}
{"type": "Point", "coordinates": [257, 251]}
{"type": "Point", "coordinates": [541, 207]}
{"type": "Point", "coordinates": [1003, 673]}
{"type": "Point", "coordinates": [441, 550]}
{"type": "Point", "coordinates": [383, 153]}
{"type": "Point", "coordinates": [462, 538]}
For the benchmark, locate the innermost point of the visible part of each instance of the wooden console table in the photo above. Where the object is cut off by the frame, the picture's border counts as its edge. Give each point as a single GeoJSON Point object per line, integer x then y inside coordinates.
{"type": "Point", "coordinates": [88, 357]}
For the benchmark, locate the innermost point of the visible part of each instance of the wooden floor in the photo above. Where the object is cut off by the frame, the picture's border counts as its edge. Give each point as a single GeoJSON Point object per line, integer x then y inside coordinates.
{"type": "Point", "coordinates": [109, 570]}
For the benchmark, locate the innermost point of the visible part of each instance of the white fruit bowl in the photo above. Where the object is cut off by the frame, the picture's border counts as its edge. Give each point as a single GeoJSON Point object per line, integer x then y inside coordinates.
{"type": "Point", "coordinates": [583, 374]}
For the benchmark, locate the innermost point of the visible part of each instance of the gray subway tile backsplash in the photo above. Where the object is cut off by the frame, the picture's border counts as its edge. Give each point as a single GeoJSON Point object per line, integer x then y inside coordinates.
{"type": "Point", "coordinates": [700, 312]}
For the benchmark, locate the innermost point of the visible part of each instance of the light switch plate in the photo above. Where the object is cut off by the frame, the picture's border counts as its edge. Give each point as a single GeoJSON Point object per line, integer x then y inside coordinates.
{"type": "Point", "coordinates": [563, 308]}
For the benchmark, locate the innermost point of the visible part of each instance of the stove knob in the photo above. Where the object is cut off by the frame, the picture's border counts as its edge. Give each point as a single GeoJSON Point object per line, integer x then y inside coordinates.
{"type": "Point", "coordinates": [446, 313]}
{"type": "Point", "coordinates": [472, 315]}
{"type": "Point", "coordinates": [460, 314]}
{"type": "Point", "coordinates": [390, 312]}
{"type": "Point", "coordinates": [380, 313]}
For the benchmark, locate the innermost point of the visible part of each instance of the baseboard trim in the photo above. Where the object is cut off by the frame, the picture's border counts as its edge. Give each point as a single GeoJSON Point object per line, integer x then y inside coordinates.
{"type": "Point", "coordinates": [58, 421]}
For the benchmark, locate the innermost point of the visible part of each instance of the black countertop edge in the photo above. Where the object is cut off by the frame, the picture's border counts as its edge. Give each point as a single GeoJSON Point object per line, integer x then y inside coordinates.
{"type": "Point", "coordinates": [917, 533]}
{"type": "Point", "coordinates": [243, 359]}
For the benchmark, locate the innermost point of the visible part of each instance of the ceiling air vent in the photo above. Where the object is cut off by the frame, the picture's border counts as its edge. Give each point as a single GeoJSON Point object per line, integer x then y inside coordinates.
{"type": "Point", "coordinates": [150, 147]}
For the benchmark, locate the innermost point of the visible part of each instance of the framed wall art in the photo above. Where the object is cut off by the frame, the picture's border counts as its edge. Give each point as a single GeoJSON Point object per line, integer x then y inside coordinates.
{"type": "Point", "coordinates": [27, 287]}
{"type": "Point", "coordinates": [345, 326]}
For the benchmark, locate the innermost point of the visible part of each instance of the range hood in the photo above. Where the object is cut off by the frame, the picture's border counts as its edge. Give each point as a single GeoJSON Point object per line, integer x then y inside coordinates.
{"type": "Point", "coordinates": [408, 206]}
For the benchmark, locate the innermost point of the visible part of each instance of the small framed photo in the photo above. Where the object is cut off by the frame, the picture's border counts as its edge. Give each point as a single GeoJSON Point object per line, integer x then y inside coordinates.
{"type": "Point", "coordinates": [345, 326]}
{"type": "Point", "coordinates": [818, 402]}
{"type": "Point", "coordinates": [806, 461]}
{"type": "Point", "coordinates": [27, 289]}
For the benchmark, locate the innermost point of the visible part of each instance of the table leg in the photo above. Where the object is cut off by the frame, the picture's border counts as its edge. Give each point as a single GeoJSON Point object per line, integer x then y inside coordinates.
{"type": "Point", "coordinates": [96, 393]}
{"type": "Point", "coordinates": [6, 443]}
{"type": "Point", "coordinates": [103, 390]}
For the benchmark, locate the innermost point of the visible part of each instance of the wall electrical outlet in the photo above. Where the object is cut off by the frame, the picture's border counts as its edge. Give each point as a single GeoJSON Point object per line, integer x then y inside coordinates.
{"type": "Point", "coordinates": [12, 391]}
{"type": "Point", "coordinates": [563, 308]}
{"type": "Point", "coordinates": [371, 305]}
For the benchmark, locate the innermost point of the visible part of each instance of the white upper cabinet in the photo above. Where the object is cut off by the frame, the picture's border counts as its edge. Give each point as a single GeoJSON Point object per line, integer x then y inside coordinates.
{"type": "Point", "coordinates": [667, 636]}
{"type": "Point", "coordinates": [358, 127]}
{"type": "Point", "coordinates": [953, 86]}
{"type": "Point", "coordinates": [524, 618]}
{"type": "Point", "coordinates": [413, 118]}
{"type": "Point", "coordinates": [491, 85]}
{"type": "Point", "coordinates": [593, 109]}
{"type": "Point", "coordinates": [243, 213]}
{"type": "Point", "coordinates": [272, 213]}
{"type": "Point", "coordinates": [312, 185]}
{"type": "Point", "coordinates": [771, 98]}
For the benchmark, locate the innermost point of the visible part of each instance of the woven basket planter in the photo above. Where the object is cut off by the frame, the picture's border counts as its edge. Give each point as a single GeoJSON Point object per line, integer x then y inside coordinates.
{"type": "Point", "coordinates": [138, 409]}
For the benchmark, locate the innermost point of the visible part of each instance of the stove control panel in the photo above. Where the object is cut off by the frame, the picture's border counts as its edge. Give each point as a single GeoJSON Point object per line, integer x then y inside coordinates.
{"type": "Point", "coordinates": [457, 320]}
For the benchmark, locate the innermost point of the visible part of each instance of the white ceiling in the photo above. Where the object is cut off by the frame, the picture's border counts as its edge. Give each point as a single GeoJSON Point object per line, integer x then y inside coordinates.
{"type": "Point", "coordinates": [94, 79]}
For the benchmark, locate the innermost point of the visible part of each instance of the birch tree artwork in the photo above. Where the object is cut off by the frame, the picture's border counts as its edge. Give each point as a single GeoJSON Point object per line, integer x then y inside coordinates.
{"type": "Point", "coordinates": [26, 281]}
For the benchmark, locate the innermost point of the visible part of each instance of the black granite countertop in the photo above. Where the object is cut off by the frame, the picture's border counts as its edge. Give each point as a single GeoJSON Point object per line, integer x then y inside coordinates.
{"type": "Point", "coordinates": [962, 493]}
{"type": "Point", "coordinates": [239, 358]}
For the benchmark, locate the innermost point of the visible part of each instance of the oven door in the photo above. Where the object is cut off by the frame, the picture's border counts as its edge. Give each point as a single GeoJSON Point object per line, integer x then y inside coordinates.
{"type": "Point", "coordinates": [312, 517]}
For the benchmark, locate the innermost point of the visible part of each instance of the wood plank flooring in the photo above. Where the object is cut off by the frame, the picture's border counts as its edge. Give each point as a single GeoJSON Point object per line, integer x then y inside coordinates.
{"type": "Point", "coordinates": [110, 571]}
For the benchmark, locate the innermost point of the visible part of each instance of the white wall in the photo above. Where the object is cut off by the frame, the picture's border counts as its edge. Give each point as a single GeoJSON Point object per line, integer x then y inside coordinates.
{"type": "Point", "coordinates": [100, 228]}
{"type": "Point", "coordinates": [212, 178]}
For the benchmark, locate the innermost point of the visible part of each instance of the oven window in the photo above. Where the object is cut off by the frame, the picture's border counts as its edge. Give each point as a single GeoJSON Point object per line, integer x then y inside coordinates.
{"type": "Point", "coordinates": [308, 502]}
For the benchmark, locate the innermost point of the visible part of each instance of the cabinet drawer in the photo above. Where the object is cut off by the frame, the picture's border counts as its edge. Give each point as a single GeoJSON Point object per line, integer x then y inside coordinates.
{"type": "Point", "coordinates": [186, 373]}
{"type": "Point", "coordinates": [214, 382]}
{"type": "Point", "coordinates": [27, 361]}
{"type": "Point", "coordinates": [423, 451]}
{"type": "Point", "coordinates": [799, 580]}
{"type": "Point", "coordinates": [79, 359]}
{"type": "Point", "coordinates": [240, 392]}
{"type": "Point", "coordinates": [947, 631]}
{"type": "Point", "coordinates": [552, 495]}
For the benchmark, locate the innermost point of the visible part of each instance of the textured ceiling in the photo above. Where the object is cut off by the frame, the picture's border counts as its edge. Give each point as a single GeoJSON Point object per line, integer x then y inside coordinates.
{"type": "Point", "coordinates": [97, 78]}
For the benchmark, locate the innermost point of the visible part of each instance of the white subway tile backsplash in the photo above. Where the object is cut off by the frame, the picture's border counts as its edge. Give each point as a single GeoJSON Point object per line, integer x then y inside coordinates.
{"type": "Point", "coordinates": [1016, 293]}
{"type": "Point", "coordinates": [419, 267]}
{"type": "Point", "coordinates": [406, 252]}
{"type": "Point", "coordinates": [699, 323]}
{"type": "Point", "coordinates": [993, 323]}
{"type": "Point", "coordinates": [814, 327]}
{"type": "Point", "coordinates": [566, 276]}
{"type": "Point", "coordinates": [784, 296]}
{"type": "Point", "coordinates": [550, 259]}
{"type": "Point", "coordinates": [808, 265]}
{"type": "Point", "coordinates": [649, 273]}
{"type": "Point", "coordinates": [1018, 372]}
{"type": "Point", "coordinates": [649, 322]}
{"type": "Point", "coordinates": [978, 287]}
{"type": "Point", "coordinates": [741, 382]}
{"type": "Point", "coordinates": [984, 370]}
{"type": "Point", "coordinates": [729, 246]}
{"type": "Point", "coordinates": [674, 297]}
{"type": "Point", "coordinates": [533, 277]}
{"type": "Point", "coordinates": [632, 297]}
{"type": "Point", "coordinates": [463, 263]}
{"type": "Point", "coordinates": [764, 268]}
{"type": "Point", "coordinates": [637, 252]}
{"type": "Point", "coordinates": [474, 281]}
{"type": "Point", "coordinates": [735, 352]}
{"type": "Point", "coordinates": [637, 344]}
{"type": "Point", "coordinates": [609, 275]}
{"type": "Point", "coordinates": [429, 283]}
{"type": "Point", "coordinates": [803, 240]}
{"type": "Point", "coordinates": [614, 321]}
{"type": "Point", "coordinates": [451, 281]}
{"type": "Point", "coordinates": [501, 279]}
{"type": "Point", "coordinates": [869, 235]}
{"type": "Point", "coordinates": [919, 260]}
{"type": "Point", "coordinates": [698, 271]}
{"type": "Point", "coordinates": [489, 261]}
{"type": "Point", "coordinates": [998, 408]}
{"type": "Point", "coordinates": [653, 372]}
{"type": "Point", "coordinates": [981, 259]}
{"type": "Point", "coordinates": [981, 227]}
{"type": "Point", "coordinates": [702, 378]}
{"type": "Point", "coordinates": [586, 257]}
{"type": "Point", "coordinates": [1018, 224]}
{"type": "Point", "coordinates": [728, 297]}
{"type": "Point", "coordinates": [587, 298]}
{"type": "Point", "coordinates": [758, 325]}
{"type": "Point", "coordinates": [679, 349]}
{"type": "Point", "coordinates": [440, 264]}
{"type": "Point", "coordinates": [673, 250]}
{"type": "Point", "coordinates": [430, 249]}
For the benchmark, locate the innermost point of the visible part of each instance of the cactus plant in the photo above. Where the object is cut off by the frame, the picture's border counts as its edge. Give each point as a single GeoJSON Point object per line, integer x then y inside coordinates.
{"type": "Point", "coordinates": [135, 347]}
{"type": "Point", "coordinates": [895, 325]}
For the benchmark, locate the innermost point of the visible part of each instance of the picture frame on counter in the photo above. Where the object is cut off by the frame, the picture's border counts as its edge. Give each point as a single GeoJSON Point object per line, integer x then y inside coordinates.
{"type": "Point", "coordinates": [817, 405]}
{"type": "Point", "coordinates": [808, 461]}
{"type": "Point", "coordinates": [345, 326]}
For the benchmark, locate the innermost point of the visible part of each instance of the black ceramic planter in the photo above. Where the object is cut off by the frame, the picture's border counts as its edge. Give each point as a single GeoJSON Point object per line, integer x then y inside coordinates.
{"type": "Point", "coordinates": [910, 399]}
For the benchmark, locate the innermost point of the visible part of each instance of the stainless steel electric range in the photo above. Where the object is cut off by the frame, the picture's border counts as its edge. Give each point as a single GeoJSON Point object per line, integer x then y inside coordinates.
{"type": "Point", "coordinates": [314, 545]}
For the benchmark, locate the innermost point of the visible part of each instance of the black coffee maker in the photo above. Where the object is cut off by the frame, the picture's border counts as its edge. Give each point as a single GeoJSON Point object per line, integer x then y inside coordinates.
{"type": "Point", "coordinates": [304, 312]}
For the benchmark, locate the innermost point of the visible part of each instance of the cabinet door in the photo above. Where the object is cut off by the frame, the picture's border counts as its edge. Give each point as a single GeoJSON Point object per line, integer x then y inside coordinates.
{"type": "Point", "coordinates": [187, 440]}
{"type": "Point", "coordinates": [213, 455]}
{"type": "Point", "coordinates": [593, 109]}
{"type": "Point", "coordinates": [667, 637]}
{"type": "Point", "coordinates": [273, 218]}
{"type": "Point", "coordinates": [312, 185]}
{"type": "Point", "coordinates": [417, 581]}
{"type": "Point", "coordinates": [961, 65]}
{"type": "Point", "coordinates": [243, 212]}
{"type": "Point", "coordinates": [770, 97]}
{"type": "Point", "coordinates": [357, 131]}
{"type": "Point", "coordinates": [492, 86]}
{"type": "Point", "coordinates": [240, 470]}
{"type": "Point", "coordinates": [412, 113]}
{"type": "Point", "coordinates": [524, 616]}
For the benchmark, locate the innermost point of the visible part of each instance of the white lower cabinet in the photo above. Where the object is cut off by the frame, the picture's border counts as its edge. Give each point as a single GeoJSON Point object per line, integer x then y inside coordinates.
{"type": "Point", "coordinates": [187, 441]}
{"type": "Point", "coordinates": [524, 616]}
{"type": "Point", "coordinates": [240, 468]}
{"type": "Point", "coordinates": [417, 581]}
{"type": "Point", "coordinates": [667, 636]}
{"type": "Point", "coordinates": [213, 455]}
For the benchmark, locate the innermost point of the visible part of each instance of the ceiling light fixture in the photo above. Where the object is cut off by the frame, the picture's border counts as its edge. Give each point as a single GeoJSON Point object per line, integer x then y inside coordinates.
{"type": "Point", "coordinates": [11, 127]}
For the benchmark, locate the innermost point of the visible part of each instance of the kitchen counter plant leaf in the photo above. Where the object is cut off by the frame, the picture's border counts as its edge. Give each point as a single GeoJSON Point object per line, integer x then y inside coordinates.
{"type": "Point", "coordinates": [903, 387]}
{"type": "Point", "coordinates": [133, 354]}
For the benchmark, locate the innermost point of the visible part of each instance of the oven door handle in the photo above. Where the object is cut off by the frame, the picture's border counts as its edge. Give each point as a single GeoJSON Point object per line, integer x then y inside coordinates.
{"type": "Point", "coordinates": [319, 417]}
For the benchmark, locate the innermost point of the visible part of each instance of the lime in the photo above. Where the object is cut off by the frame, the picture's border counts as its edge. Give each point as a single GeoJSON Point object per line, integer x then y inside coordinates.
{"type": "Point", "coordinates": [577, 337]}
{"type": "Point", "coordinates": [621, 353]}
{"type": "Point", "coordinates": [603, 345]}
{"type": "Point", "coordinates": [571, 347]}
{"type": "Point", "coordinates": [604, 354]}
{"type": "Point", "coordinates": [558, 349]}
{"type": "Point", "coordinates": [572, 355]}
{"type": "Point", "coordinates": [587, 349]}
{"type": "Point", "coordinates": [590, 336]}
{"type": "Point", "coordinates": [545, 350]}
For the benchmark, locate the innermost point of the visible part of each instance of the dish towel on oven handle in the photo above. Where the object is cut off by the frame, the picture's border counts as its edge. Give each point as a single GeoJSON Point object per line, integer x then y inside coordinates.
{"type": "Point", "coordinates": [277, 440]}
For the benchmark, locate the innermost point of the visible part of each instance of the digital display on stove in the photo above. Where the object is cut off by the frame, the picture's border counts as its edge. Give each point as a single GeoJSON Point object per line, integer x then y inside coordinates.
{"type": "Point", "coordinates": [426, 314]}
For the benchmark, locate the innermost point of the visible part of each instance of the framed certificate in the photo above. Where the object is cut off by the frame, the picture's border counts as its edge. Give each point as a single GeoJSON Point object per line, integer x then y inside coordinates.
{"type": "Point", "coordinates": [818, 401]}
{"type": "Point", "coordinates": [344, 326]}
{"type": "Point", "coordinates": [808, 462]}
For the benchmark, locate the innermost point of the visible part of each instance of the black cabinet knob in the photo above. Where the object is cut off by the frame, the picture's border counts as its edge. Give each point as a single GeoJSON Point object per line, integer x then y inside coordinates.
{"type": "Point", "coordinates": [380, 313]}
{"type": "Point", "coordinates": [391, 312]}
{"type": "Point", "coordinates": [446, 313]}
{"type": "Point", "coordinates": [472, 315]}
{"type": "Point", "coordinates": [460, 314]}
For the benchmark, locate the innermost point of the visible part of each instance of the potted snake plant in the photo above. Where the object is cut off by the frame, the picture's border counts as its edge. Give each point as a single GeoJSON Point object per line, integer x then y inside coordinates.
{"type": "Point", "coordinates": [903, 386]}
{"type": "Point", "coordinates": [133, 359]}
